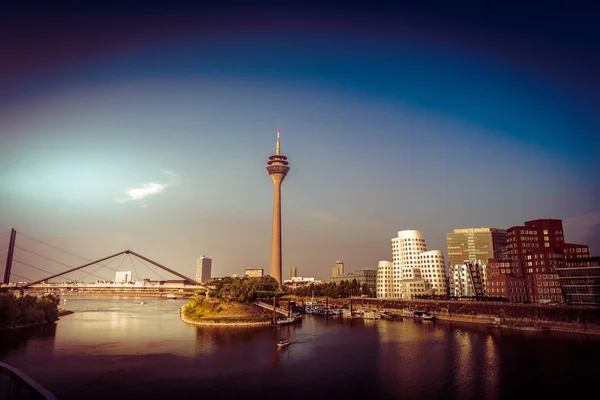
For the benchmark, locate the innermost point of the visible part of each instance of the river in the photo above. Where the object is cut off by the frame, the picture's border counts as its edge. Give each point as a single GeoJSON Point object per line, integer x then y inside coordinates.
{"type": "Point", "coordinates": [116, 347]}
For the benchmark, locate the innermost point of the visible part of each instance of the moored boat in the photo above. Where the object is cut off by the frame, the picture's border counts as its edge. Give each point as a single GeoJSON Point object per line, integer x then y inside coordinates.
{"type": "Point", "coordinates": [372, 315]}
{"type": "Point", "coordinates": [424, 315]}
{"type": "Point", "coordinates": [284, 321]}
{"type": "Point", "coordinates": [171, 296]}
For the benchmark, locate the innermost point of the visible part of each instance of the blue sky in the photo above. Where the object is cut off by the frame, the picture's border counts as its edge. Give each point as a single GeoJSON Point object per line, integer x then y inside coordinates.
{"type": "Point", "coordinates": [160, 146]}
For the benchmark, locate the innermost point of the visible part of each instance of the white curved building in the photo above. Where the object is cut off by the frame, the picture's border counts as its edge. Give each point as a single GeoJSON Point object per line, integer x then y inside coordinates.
{"type": "Point", "coordinates": [433, 270]}
{"type": "Point", "coordinates": [384, 279]}
{"type": "Point", "coordinates": [412, 261]}
{"type": "Point", "coordinates": [405, 253]}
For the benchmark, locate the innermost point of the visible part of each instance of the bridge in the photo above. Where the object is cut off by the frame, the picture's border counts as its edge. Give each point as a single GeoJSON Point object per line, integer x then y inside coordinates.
{"type": "Point", "coordinates": [24, 252]}
{"type": "Point", "coordinates": [269, 307]}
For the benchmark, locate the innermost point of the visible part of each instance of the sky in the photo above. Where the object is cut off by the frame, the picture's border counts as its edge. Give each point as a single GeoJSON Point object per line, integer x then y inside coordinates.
{"type": "Point", "coordinates": [149, 129]}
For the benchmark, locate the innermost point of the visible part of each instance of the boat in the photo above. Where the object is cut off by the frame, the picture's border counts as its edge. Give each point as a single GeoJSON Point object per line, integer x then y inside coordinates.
{"type": "Point", "coordinates": [284, 321]}
{"type": "Point", "coordinates": [21, 385]}
{"type": "Point", "coordinates": [283, 343]}
{"type": "Point", "coordinates": [372, 315]}
{"type": "Point", "coordinates": [424, 315]}
{"type": "Point", "coordinates": [142, 302]}
{"type": "Point", "coordinates": [171, 296]}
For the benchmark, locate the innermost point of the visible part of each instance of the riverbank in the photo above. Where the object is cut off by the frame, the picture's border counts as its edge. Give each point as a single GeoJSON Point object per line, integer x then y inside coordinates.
{"type": "Point", "coordinates": [525, 317]}
{"type": "Point", "coordinates": [209, 313]}
{"type": "Point", "coordinates": [62, 313]}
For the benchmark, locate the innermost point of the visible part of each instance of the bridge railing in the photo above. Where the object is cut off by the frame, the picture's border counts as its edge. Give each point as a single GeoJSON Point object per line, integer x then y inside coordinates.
{"type": "Point", "coordinates": [270, 307]}
{"type": "Point", "coordinates": [16, 385]}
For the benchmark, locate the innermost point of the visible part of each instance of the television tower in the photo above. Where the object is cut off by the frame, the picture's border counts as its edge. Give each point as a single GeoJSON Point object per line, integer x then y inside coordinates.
{"type": "Point", "coordinates": [277, 167]}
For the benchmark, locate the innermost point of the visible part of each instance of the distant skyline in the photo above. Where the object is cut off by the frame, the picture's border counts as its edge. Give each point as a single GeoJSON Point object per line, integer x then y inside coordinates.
{"type": "Point", "coordinates": [150, 130]}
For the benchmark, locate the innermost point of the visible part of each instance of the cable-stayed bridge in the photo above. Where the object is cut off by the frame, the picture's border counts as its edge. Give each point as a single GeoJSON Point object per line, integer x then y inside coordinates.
{"type": "Point", "coordinates": [29, 263]}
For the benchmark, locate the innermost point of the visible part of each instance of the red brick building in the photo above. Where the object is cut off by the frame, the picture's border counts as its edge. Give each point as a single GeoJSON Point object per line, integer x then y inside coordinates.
{"type": "Point", "coordinates": [576, 251]}
{"type": "Point", "coordinates": [501, 282]}
{"type": "Point", "coordinates": [534, 252]}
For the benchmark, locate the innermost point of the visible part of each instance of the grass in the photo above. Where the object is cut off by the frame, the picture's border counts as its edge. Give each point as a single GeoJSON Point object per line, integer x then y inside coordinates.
{"type": "Point", "coordinates": [205, 310]}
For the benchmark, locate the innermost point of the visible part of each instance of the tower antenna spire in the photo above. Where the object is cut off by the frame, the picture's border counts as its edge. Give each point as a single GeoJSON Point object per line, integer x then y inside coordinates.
{"type": "Point", "coordinates": [277, 150]}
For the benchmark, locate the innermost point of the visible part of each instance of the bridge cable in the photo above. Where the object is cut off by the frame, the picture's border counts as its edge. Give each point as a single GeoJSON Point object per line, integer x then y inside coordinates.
{"type": "Point", "coordinates": [119, 266]}
{"type": "Point", "coordinates": [50, 259]}
{"type": "Point", "coordinates": [52, 246]}
{"type": "Point", "coordinates": [134, 270]}
{"type": "Point", "coordinates": [151, 268]}
{"type": "Point", "coordinates": [103, 265]}
{"type": "Point", "coordinates": [134, 259]}
{"type": "Point", "coordinates": [22, 277]}
{"type": "Point", "coordinates": [31, 266]}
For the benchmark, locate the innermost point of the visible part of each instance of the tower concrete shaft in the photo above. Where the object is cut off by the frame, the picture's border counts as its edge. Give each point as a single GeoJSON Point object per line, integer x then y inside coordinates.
{"type": "Point", "coordinates": [277, 167]}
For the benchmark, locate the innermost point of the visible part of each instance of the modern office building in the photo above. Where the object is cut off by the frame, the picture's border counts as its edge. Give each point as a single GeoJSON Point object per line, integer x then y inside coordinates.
{"type": "Point", "coordinates": [362, 276]}
{"type": "Point", "coordinates": [467, 279]}
{"type": "Point", "coordinates": [385, 280]}
{"type": "Point", "coordinates": [277, 167]}
{"type": "Point", "coordinates": [338, 270]}
{"type": "Point", "coordinates": [122, 276]}
{"type": "Point", "coordinates": [254, 272]}
{"type": "Point", "coordinates": [293, 272]}
{"type": "Point", "coordinates": [410, 288]}
{"type": "Point", "coordinates": [433, 270]}
{"type": "Point", "coordinates": [535, 251]}
{"type": "Point", "coordinates": [203, 269]}
{"type": "Point", "coordinates": [405, 253]}
{"type": "Point", "coordinates": [580, 280]}
{"type": "Point", "coordinates": [411, 260]}
{"type": "Point", "coordinates": [474, 244]}
{"type": "Point", "coordinates": [574, 251]}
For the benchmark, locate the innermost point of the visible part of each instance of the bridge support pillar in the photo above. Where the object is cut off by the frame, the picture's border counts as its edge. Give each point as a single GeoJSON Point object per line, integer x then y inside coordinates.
{"type": "Point", "coordinates": [9, 256]}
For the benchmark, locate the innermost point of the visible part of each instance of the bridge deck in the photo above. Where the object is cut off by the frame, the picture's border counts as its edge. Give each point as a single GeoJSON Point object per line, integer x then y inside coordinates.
{"type": "Point", "coordinates": [269, 307]}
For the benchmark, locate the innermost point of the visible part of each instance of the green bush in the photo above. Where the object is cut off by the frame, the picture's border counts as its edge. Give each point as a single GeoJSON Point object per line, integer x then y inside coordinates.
{"type": "Point", "coordinates": [27, 310]}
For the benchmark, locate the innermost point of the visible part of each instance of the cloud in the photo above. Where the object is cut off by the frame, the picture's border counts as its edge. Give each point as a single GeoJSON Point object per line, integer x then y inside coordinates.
{"type": "Point", "coordinates": [175, 180]}
{"type": "Point", "coordinates": [150, 189]}
{"type": "Point", "coordinates": [325, 217]}
{"type": "Point", "coordinates": [583, 226]}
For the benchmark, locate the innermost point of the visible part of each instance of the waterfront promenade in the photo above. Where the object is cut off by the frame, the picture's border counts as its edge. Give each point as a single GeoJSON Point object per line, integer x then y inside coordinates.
{"type": "Point", "coordinates": [559, 318]}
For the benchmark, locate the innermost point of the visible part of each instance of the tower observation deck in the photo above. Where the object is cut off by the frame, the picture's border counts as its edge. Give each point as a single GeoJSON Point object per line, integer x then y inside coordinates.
{"type": "Point", "coordinates": [277, 167]}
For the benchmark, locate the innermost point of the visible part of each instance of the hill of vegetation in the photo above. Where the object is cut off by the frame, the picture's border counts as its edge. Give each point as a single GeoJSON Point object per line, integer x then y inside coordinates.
{"type": "Point", "coordinates": [203, 310]}
{"type": "Point", "coordinates": [230, 301]}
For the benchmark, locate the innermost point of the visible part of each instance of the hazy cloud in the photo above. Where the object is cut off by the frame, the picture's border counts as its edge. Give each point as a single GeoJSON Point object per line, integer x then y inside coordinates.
{"type": "Point", "coordinates": [371, 224]}
{"type": "Point", "coordinates": [581, 227]}
{"type": "Point", "coordinates": [151, 188]}
{"type": "Point", "coordinates": [325, 217]}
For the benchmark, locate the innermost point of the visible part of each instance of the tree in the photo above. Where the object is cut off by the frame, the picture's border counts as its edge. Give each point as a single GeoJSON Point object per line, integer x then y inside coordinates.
{"type": "Point", "coordinates": [365, 289]}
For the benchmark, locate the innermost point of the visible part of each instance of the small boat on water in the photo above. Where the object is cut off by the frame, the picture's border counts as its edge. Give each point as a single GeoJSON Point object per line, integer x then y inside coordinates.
{"type": "Point", "coordinates": [142, 302]}
{"type": "Point", "coordinates": [284, 321]}
{"type": "Point", "coordinates": [171, 296]}
{"type": "Point", "coordinates": [424, 315]}
{"type": "Point", "coordinates": [372, 315]}
{"type": "Point", "coordinates": [283, 343]}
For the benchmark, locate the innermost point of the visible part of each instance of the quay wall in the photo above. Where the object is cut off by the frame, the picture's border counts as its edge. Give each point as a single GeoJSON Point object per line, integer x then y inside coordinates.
{"type": "Point", "coordinates": [560, 318]}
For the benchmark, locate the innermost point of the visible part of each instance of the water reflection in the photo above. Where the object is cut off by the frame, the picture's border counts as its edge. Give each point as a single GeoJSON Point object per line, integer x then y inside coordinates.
{"type": "Point", "coordinates": [491, 372]}
{"type": "Point", "coordinates": [16, 340]}
{"type": "Point", "coordinates": [122, 325]}
{"type": "Point", "coordinates": [119, 346]}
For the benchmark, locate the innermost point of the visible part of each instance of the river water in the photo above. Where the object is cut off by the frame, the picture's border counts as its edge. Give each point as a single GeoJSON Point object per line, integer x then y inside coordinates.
{"type": "Point", "coordinates": [115, 347]}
